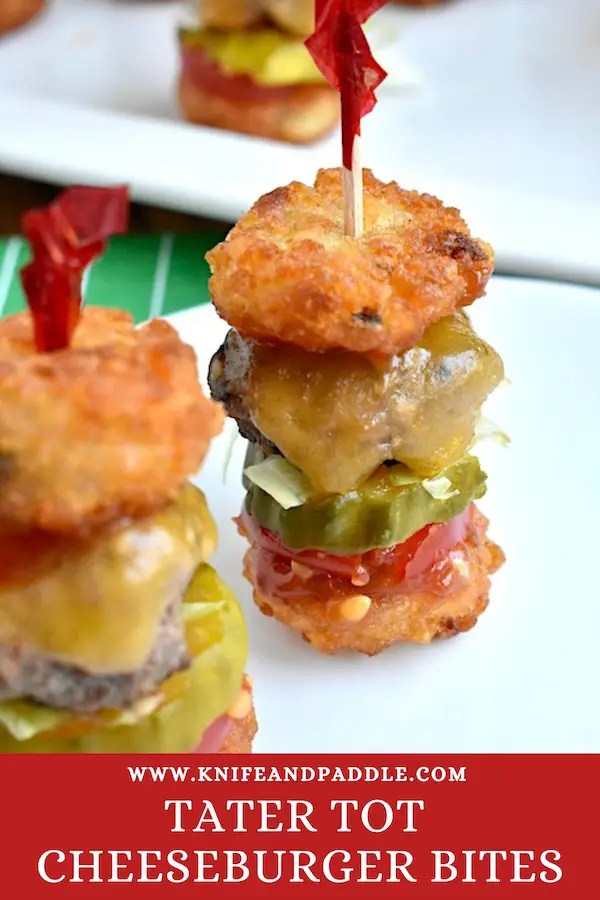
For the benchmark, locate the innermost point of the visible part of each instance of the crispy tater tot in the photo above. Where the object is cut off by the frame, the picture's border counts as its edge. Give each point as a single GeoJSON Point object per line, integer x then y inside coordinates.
{"type": "Point", "coordinates": [106, 429]}
{"type": "Point", "coordinates": [244, 728]}
{"type": "Point", "coordinates": [370, 625]}
{"type": "Point", "coordinates": [15, 13]}
{"type": "Point", "coordinates": [286, 272]}
{"type": "Point", "coordinates": [239, 739]}
{"type": "Point", "coordinates": [299, 114]}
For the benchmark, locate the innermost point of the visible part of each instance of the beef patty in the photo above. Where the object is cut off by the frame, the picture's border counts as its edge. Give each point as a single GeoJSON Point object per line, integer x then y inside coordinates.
{"type": "Point", "coordinates": [24, 673]}
{"type": "Point", "coordinates": [226, 377]}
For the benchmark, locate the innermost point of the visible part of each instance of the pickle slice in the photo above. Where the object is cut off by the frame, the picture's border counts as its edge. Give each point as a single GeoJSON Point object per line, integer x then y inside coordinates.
{"type": "Point", "coordinates": [386, 510]}
{"type": "Point", "coordinates": [191, 700]}
{"type": "Point", "coordinates": [266, 55]}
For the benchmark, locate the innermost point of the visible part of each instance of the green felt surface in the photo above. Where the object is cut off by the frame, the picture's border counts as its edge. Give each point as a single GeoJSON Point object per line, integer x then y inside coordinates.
{"type": "Point", "coordinates": [149, 275]}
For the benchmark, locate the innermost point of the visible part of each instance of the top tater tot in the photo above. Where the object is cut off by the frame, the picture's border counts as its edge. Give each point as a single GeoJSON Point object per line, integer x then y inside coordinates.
{"type": "Point", "coordinates": [287, 273]}
{"type": "Point", "coordinates": [229, 14]}
{"type": "Point", "coordinates": [107, 429]}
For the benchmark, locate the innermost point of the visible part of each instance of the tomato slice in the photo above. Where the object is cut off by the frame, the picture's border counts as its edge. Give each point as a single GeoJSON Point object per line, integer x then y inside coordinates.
{"type": "Point", "coordinates": [215, 735]}
{"type": "Point", "coordinates": [423, 551]}
{"type": "Point", "coordinates": [199, 69]}
{"type": "Point", "coordinates": [348, 566]}
{"type": "Point", "coordinates": [425, 562]}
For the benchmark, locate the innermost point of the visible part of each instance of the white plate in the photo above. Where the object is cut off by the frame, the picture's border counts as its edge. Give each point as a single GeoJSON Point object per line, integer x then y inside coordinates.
{"type": "Point", "coordinates": [505, 124]}
{"type": "Point", "coordinates": [526, 678]}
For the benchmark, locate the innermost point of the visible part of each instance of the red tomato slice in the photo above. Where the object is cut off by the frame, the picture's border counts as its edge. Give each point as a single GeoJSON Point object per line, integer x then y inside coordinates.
{"type": "Point", "coordinates": [315, 559]}
{"type": "Point", "coordinates": [422, 563]}
{"type": "Point", "coordinates": [423, 550]}
{"type": "Point", "coordinates": [201, 70]}
{"type": "Point", "coordinates": [215, 735]}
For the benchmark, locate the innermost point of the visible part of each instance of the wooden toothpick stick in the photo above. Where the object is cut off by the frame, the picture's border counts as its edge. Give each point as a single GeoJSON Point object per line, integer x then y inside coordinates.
{"type": "Point", "coordinates": [342, 54]}
{"type": "Point", "coordinates": [352, 186]}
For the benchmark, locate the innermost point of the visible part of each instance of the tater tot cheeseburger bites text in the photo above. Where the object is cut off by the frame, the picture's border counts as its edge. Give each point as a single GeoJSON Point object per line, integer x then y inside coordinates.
{"type": "Point", "coordinates": [116, 636]}
{"type": "Point", "coordinates": [244, 68]}
{"type": "Point", "coordinates": [354, 372]}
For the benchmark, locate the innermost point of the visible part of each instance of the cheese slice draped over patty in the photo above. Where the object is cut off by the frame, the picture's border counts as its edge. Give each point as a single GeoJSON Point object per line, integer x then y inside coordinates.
{"type": "Point", "coordinates": [98, 606]}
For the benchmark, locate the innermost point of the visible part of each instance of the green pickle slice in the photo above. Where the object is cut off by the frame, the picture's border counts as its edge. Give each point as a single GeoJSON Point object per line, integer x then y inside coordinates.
{"type": "Point", "coordinates": [270, 57]}
{"type": "Point", "coordinates": [217, 639]}
{"type": "Point", "coordinates": [386, 510]}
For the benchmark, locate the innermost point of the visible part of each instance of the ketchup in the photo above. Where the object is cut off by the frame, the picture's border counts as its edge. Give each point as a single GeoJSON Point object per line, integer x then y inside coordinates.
{"type": "Point", "coordinates": [206, 74]}
{"type": "Point", "coordinates": [26, 556]}
{"type": "Point", "coordinates": [429, 561]}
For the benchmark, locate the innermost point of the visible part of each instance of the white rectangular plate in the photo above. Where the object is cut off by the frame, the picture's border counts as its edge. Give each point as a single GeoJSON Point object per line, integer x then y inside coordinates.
{"type": "Point", "coordinates": [525, 679]}
{"type": "Point", "coordinates": [504, 122]}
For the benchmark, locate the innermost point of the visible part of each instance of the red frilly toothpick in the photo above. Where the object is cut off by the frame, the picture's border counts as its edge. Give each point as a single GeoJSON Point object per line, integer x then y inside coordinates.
{"type": "Point", "coordinates": [342, 54]}
{"type": "Point", "coordinates": [65, 237]}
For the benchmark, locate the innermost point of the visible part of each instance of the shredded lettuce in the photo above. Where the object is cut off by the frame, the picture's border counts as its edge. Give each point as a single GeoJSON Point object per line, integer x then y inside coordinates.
{"type": "Point", "coordinates": [282, 480]}
{"type": "Point", "coordinates": [142, 708]}
{"type": "Point", "coordinates": [486, 430]}
{"type": "Point", "coordinates": [400, 476]}
{"type": "Point", "coordinates": [289, 486]}
{"type": "Point", "coordinates": [440, 487]}
{"type": "Point", "coordinates": [23, 719]}
{"type": "Point", "coordinates": [235, 435]}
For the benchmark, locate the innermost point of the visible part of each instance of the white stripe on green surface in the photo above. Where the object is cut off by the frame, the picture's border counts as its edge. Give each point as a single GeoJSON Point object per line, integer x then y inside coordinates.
{"type": "Point", "coordinates": [8, 268]}
{"type": "Point", "coordinates": [161, 275]}
{"type": "Point", "coordinates": [189, 272]}
{"type": "Point", "coordinates": [145, 274]}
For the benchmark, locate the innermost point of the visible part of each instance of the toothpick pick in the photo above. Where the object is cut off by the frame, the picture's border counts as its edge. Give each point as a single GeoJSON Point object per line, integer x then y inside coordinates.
{"type": "Point", "coordinates": [343, 56]}
{"type": "Point", "coordinates": [352, 185]}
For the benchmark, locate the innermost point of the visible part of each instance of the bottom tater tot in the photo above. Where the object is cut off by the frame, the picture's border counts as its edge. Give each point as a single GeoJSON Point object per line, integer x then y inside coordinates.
{"type": "Point", "coordinates": [369, 626]}
{"type": "Point", "coordinates": [243, 732]}
{"type": "Point", "coordinates": [244, 725]}
{"type": "Point", "coordinates": [234, 731]}
{"type": "Point", "coordinates": [300, 115]}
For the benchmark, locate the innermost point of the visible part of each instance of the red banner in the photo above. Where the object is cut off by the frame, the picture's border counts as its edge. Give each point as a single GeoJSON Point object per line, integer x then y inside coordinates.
{"type": "Point", "coordinates": [305, 826]}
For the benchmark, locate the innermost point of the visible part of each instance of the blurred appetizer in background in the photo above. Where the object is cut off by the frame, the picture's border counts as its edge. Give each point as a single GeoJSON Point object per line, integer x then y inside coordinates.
{"type": "Point", "coordinates": [115, 634]}
{"type": "Point", "coordinates": [245, 68]}
{"type": "Point", "coordinates": [15, 13]}
{"type": "Point", "coordinates": [356, 376]}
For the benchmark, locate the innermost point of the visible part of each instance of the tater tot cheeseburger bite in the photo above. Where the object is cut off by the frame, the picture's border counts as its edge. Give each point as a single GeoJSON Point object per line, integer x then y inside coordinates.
{"type": "Point", "coordinates": [354, 372]}
{"type": "Point", "coordinates": [16, 13]}
{"type": "Point", "coordinates": [116, 636]}
{"type": "Point", "coordinates": [244, 68]}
